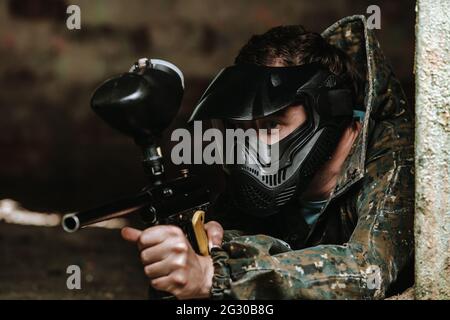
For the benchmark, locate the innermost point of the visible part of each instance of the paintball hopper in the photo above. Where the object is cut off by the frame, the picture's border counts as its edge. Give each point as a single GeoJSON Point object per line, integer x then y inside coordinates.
{"type": "Point", "coordinates": [142, 102]}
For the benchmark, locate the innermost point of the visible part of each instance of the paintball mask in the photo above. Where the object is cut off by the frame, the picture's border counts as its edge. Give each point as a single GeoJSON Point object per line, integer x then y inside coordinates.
{"type": "Point", "coordinates": [244, 92]}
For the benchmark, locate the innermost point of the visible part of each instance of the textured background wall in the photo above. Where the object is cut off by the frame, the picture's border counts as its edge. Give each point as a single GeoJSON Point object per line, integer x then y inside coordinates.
{"type": "Point", "coordinates": [55, 154]}
{"type": "Point", "coordinates": [432, 221]}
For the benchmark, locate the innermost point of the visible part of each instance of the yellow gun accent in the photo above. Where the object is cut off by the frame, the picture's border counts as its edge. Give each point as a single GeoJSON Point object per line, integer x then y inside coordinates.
{"type": "Point", "coordinates": [198, 220]}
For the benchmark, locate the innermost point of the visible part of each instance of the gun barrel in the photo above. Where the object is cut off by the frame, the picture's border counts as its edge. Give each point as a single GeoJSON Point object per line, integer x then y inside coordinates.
{"type": "Point", "coordinates": [72, 222]}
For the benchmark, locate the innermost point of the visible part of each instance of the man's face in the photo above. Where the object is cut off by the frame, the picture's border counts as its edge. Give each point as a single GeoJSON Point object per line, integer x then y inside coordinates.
{"type": "Point", "coordinates": [278, 125]}
{"type": "Point", "coordinates": [285, 121]}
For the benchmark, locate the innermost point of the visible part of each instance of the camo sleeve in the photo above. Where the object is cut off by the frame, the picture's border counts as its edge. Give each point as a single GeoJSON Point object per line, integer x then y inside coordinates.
{"type": "Point", "coordinates": [254, 267]}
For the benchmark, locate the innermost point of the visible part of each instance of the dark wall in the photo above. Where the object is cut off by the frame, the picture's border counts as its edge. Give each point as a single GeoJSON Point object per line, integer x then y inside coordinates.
{"type": "Point", "coordinates": [55, 154]}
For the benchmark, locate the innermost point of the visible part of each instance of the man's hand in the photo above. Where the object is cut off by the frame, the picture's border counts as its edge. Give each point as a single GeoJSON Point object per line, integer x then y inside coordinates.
{"type": "Point", "coordinates": [171, 263]}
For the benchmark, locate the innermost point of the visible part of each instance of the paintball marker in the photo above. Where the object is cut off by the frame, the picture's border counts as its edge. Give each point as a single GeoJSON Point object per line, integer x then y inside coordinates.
{"type": "Point", "coordinates": [141, 103]}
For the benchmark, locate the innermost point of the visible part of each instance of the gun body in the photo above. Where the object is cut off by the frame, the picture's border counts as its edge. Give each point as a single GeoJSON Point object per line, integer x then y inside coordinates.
{"type": "Point", "coordinates": [141, 104]}
{"type": "Point", "coordinates": [181, 202]}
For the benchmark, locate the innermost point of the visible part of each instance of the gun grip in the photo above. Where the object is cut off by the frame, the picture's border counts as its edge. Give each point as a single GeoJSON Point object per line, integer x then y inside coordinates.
{"type": "Point", "coordinates": [198, 220]}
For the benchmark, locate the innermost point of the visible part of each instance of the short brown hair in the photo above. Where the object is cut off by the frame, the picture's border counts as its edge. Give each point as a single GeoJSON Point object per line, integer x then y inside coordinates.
{"type": "Point", "coordinates": [293, 45]}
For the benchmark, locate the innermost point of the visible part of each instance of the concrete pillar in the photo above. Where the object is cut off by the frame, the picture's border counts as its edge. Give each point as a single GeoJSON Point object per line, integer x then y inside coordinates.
{"type": "Point", "coordinates": [432, 217]}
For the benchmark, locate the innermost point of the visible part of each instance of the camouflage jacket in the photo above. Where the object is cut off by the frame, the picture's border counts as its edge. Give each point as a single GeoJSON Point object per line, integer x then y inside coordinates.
{"type": "Point", "coordinates": [363, 238]}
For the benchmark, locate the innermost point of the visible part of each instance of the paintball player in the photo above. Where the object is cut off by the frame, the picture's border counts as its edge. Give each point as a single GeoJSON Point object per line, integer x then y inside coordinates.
{"type": "Point", "coordinates": [336, 220]}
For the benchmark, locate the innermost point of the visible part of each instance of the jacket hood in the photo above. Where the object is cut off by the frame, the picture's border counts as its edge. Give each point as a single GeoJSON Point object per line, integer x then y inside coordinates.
{"type": "Point", "coordinates": [352, 35]}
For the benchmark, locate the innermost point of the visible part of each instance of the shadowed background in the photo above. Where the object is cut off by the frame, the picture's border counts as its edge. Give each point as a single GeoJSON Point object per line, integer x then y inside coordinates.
{"type": "Point", "coordinates": [57, 156]}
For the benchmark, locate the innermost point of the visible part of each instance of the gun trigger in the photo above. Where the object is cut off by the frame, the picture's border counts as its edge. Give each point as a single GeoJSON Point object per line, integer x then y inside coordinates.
{"type": "Point", "coordinates": [198, 220]}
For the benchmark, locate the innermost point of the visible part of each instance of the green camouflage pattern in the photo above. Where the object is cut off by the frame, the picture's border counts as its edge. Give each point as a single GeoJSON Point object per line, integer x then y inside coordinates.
{"type": "Point", "coordinates": [363, 239]}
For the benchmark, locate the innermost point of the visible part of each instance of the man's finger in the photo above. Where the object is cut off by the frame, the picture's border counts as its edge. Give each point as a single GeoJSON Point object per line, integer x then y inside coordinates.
{"type": "Point", "coordinates": [159, 269]}
{"type": "Point", "coordinates": [164, 283]}
{"type": "Point", "coordinates": [131, 234]}
{"type": "Point", "coordinates": [214, 231]}
{"type": "Point", "coordinates": [155, 253]}
{"type": "Point", "coordinates": [157, 234]}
